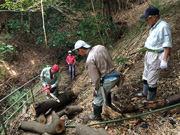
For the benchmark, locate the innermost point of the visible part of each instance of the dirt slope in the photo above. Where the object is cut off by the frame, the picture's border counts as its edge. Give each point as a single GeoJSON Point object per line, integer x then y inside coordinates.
{"type": "Point", "coordinates": [169, 83]}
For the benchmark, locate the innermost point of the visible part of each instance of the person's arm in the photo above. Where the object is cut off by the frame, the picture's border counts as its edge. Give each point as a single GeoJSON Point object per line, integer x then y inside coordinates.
{"type": "Point", "coordinates": [42, 78]}
{"type": "Point", "coordinates": [57, 77]}
{"type": "Point", "coordinates": [67, 60]}
{"type": "Point", "coordinates": [167, 44]}
{"type": "Point", "coordinates": [166, 53]}
{"type": "Point", "coordinates": [93, 73]}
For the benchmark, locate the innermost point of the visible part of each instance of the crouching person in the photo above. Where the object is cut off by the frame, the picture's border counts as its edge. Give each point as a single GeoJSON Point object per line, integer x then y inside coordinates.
{"type": "Point", "coordinates": [50, 79]}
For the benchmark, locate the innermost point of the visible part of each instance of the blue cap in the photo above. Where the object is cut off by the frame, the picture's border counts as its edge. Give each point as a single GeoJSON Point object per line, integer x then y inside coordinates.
{"type": "Point", "coordinates": [150, 11]}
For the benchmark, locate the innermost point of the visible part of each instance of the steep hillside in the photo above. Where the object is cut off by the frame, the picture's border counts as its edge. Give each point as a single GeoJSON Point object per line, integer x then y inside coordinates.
{"type": "Point", "coordinates": [126, 56]}
{"type": "Point", "coordinates": [127, 50]}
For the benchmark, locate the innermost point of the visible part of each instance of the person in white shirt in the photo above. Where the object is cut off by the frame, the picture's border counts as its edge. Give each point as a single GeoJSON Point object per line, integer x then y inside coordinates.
{"type": "Point", "coordinates": [50, 76]}
{"type": "Point", "coordinates": [158, 45]}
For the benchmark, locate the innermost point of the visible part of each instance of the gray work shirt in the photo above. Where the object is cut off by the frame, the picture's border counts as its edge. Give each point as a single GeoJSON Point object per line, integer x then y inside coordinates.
{"type": "Point", "coordinates": [159, 37]}
{"type": "Point", "coordinates": [99, 64]}
{"type": "Point", "coordinates": [46, 77]}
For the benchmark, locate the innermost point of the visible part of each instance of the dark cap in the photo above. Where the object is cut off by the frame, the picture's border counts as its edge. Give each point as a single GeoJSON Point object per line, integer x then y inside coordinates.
{"type": "Point", "coordinates": [150, 11]}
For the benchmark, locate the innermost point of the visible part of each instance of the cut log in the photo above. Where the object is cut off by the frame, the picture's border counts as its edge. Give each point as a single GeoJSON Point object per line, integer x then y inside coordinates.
{"type": "Point", "coordinates": [85, 130]}
{"type": "Point", "coordinates": [69, 111]}
{"type": "Point", "coordinates": [41, 119]}
{"type": "Point", "coordinates": [174, 99]}
{"type": "Point", "coordinates": [57, 126]}
{"type": "Point", "coordinates": [107, 111]}
{"type": "Point", "coordinates": [102, 131]}
{"type": "Point", "coordinates": [44, 105]}
{"type": "Point", "coordinates": [46, 134]}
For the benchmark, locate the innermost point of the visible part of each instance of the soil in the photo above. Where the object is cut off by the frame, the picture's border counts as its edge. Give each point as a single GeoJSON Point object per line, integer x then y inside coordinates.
{"type": "Point", "coordinates": [164, 122]}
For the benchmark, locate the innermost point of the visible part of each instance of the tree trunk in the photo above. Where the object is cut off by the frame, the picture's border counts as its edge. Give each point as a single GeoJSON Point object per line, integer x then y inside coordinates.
{"type": "Point", "coordinates": [57, 126]}
{"type": "Point", "coordinates": [42, 106]}
{"type": "Point", "coordinates": [69, 111]}
{"type": "Point", "coordinates": [85, 130]}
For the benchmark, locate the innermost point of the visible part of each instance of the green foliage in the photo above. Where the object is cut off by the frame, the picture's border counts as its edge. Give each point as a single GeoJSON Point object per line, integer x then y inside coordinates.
{"type": "Point", "coordinates": [2, 74]}
{"type": "Point", "coordinates": [156, 3]}
{"type": "Point", "coordinates": [121, 60]}
{"type": "Point", "coordinates": [87, 29]}
{"type": "Point", "coordinates": [5, 48]}
{"type": "Point", "coordinates": [13, 98]}
{"type": "Point", "coordinates": [44, 66]}
{"type": "Point", "coordinates": [16, 26]}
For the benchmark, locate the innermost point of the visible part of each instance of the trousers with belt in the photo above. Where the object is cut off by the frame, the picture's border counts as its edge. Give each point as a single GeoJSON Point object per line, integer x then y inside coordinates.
{"type": "Point", "coordinates": [108, 84]}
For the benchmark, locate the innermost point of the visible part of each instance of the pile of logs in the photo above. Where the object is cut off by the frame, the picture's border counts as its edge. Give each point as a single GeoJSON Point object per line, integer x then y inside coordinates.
{"type": "Point", "coordinates": [40, 109]}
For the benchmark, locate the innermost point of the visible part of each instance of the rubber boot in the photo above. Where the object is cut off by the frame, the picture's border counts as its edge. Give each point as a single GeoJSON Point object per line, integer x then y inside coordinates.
{"type": "Point", "coordinates": [145, 87]}
{"type": "Point", "coordinates": [108, 99]}
{"type": "Point", "coordinates": [151, 93]}
{"type": "Point", "coordinates": [97, 113]}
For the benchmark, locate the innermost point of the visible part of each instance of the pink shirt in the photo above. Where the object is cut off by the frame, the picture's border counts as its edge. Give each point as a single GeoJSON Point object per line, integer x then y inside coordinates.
{"type": "Point", "coordinates": [71, 60]}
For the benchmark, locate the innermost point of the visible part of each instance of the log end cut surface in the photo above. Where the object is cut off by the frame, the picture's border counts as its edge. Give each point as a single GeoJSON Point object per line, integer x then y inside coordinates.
{"type": "Point", "coordinates": [60, 127]}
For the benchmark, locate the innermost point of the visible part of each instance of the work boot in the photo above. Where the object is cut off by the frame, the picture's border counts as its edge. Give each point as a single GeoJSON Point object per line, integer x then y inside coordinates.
{"type": "Point", "coordinates": [145, 87]}
{"type": "Point", "coordinates": [97, 113]}
{"type": "Point", "coordinates": [108, 99]}
{"type": "Point", "coordinates": [145, 90]}
{"type": "Point", "coordinates": [151, 93]}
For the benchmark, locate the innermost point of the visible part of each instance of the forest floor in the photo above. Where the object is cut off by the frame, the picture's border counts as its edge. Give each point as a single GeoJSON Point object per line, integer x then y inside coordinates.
{"type": "Point", "coordinates": [161, 123]}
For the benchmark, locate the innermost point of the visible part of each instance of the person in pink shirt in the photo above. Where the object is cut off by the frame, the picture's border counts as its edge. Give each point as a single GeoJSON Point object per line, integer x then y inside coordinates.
{"type": "Point", "coordinates": [71, 62]}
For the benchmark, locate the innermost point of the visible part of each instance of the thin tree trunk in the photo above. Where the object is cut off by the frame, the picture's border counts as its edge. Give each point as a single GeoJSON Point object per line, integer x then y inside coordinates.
{"type": "Point", "coordinates": [42, 11]}
{"type": "Point", "coordinates": [97, 22]}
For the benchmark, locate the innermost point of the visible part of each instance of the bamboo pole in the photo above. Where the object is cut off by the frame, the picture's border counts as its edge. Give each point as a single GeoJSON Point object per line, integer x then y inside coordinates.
{"type": "Point", "coordinates": [42, 11]}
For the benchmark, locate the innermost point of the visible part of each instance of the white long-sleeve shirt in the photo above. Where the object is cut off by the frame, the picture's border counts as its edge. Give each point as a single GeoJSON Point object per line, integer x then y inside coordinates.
{"type": "Point", "coordinates": [159, 37]}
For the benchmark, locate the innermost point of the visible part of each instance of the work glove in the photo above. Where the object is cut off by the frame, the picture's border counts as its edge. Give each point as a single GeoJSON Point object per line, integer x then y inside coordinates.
{"type": "Point", "coordinates": [95, 93]}
{"type": "Point", "coordinates": [53, 85]}
{"type": "Point", "coordinates": [44, 84]}
{"type": "Point", "coordinates": [163, 64]}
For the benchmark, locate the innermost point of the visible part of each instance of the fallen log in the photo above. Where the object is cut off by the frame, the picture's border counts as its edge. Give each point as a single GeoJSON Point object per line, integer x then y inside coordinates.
{"type": "Point", "coordinates": [44, 105]}
{"type": "Point", "coordinates": [85, 130]}
{"type": "Point", "coordinates": [41, 119]}
{"type": "Point", "coordinates": [70, 111]}
{"type": "Point", "coordinates": [57, 126]}
{"type": "Point", "coordinates": [46, 134]}
{"type": "Point", "coordinates": [107, 111]}
{"type": "Point", "coordinates": [174, 99]}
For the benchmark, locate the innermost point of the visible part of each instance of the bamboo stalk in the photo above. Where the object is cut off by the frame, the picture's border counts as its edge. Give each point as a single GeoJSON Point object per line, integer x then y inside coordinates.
{"type": "Point", "coordinates": [42, 11]}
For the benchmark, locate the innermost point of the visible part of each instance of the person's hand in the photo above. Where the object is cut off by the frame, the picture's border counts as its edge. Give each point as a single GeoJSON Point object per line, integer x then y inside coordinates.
{"type": "Point", "coordinates": [163, 64]}
{"type": "Point", "coordinates": [44, 84]}
{"type": "Point", "coordinates": [95, 93]}
{"type": "Point", "coordinates": [68, 63]}
{"type": "Point", "coordinates": [53, 85]}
